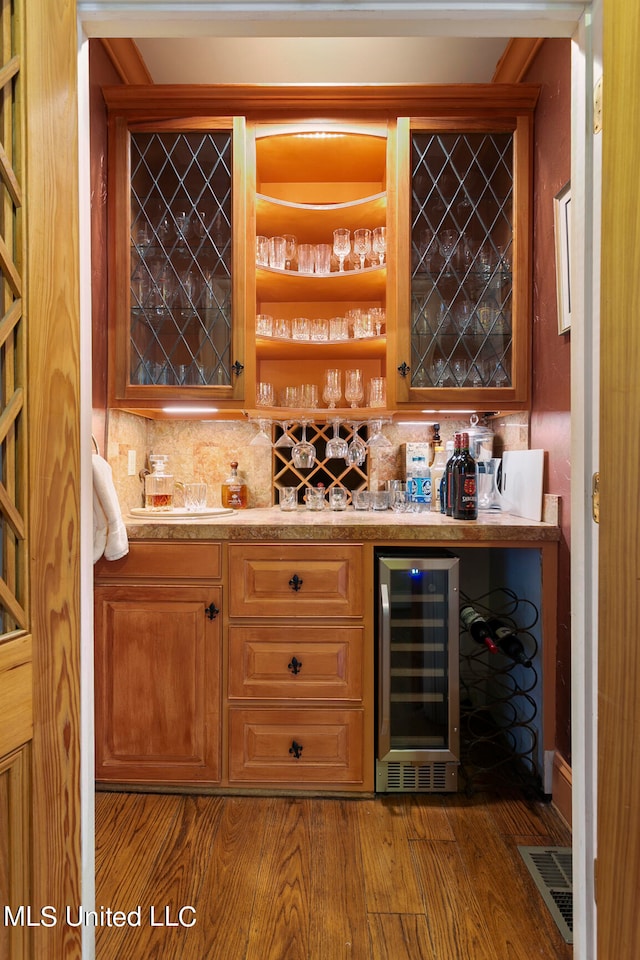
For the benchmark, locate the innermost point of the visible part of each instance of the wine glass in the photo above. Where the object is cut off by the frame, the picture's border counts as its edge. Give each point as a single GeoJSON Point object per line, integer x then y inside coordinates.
{"type": "Point", "coordinates": [341, 245]}
{"type": "Point", "coordinates": [353, 389]}
{"type": "Point", "coordinates": [337, 446]}
{"type": "Point", "coordinates": [357, 450]}
{"type": "Point", "coordinates": [447, 240]}
{"type": "Point", "coordinates": [379, 243]}
{"type": "Point", "coordinates": [285, 440]}
{"type": "Point", "coordinates": [303, 453]}
{"type": "Point", "coordinates": [377, 438]}
{"type": "Point", "coordinates": [262, 438]}
{"type": "Point", "coordinates": [362, 244]}
{"type": "Point", "coordinates": [332, 390]}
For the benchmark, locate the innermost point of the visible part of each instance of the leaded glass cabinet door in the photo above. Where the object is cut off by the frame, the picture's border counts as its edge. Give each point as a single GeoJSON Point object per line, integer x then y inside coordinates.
{"type": "Point", "coordinates": [467, 337]}
{"type": "Point", "coordinates": [180, 266]}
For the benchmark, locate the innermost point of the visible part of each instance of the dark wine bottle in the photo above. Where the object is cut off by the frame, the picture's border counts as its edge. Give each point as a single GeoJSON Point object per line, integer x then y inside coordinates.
{"type": "Point", "coordinates": [448, 475]}
{"type": "Point", "coordinates": [465, 484]}
{"type": "Point", "coordinates": [477, 626]}
{"type": "Point", "coordinates": [508, 641]}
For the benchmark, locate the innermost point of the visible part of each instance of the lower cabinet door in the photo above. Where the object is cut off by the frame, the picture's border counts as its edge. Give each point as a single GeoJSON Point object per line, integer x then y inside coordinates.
{"type": "Point", "coordinates": [157, 670]}
{"type": "Point", "coordinates": [296, 747]}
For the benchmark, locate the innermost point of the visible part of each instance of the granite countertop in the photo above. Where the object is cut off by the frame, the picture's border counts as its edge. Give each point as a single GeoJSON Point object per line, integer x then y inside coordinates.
{"type": "Point", "coordinates": [271, 524]}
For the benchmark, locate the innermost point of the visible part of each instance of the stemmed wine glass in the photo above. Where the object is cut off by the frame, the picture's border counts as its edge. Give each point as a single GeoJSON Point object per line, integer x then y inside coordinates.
{"type": "Point", "coordinates": [362, 244]}
{"type": "Point", "coordinates": [262, 438]}
{"type": "Point", "coordinates": [341, 245]}
{"type": "Point", "coordinates": [303, 453]}
{"type": "Point", "coordinates": [357, 450]}
{"type": "Point", "coordinates": [353, 389]}
{"type": "Point", "coordinates": [285, 440]}
{"type": "Point", "coordinates": [332, 390]}
{"type": "Point", "coordinates": [337, 446]}
{"type": "Point", "coordinates": [377, 438]}
{"type": "Point", "coordinates": [379, 243]}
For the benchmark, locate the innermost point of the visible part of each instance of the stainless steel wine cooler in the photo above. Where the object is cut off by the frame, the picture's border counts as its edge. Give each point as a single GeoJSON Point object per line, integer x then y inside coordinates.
{"type": "Point", "coordinates": [418, 729]}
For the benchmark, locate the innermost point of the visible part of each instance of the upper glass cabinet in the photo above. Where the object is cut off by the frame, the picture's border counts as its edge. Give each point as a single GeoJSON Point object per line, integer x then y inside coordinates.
{"type": "Point", "coordinates": [468, 260]}
{"type": "Point", "coordinates": [176, 271]}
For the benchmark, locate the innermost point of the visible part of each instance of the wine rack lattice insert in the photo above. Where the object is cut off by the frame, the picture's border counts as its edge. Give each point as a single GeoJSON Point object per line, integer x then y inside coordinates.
{"type": "Point", "coordinates": [498, 722]}
{"type": "Point", "coordinates": [330, 471]}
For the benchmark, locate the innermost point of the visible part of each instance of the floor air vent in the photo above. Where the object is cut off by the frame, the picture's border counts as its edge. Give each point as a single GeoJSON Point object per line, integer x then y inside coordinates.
{"type": "Point", "coordinates": [397, 777]}
{"type": "Point", "coordinates": [551, 869]}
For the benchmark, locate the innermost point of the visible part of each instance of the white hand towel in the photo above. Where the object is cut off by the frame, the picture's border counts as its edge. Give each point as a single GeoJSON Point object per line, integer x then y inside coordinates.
{"type": "Point", "coordinates": [110, 533]}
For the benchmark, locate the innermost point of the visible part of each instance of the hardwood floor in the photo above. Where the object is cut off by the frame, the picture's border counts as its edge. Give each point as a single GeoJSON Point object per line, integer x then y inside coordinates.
{"type": "Point", "coordinates": [406, 877]}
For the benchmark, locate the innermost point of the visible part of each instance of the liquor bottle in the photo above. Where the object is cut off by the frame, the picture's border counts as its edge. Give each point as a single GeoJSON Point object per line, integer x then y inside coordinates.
{"type": "Point", "coordinates": [478, 627]}
{"type": "Point", "coordinates": [465, 484]}
{"type": "Point", "coordinates": [508, 641]}
{"type": "Point", "coordinates": [448, 475]}
{"type": "Point", "coordinates": [437, 471]}
{"type": "Point", "coordinates": [234, 490]}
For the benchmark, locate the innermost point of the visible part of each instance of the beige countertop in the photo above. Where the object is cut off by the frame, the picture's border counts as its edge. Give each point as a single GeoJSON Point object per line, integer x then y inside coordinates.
{"type": "Point", "coordinates": [271, 524]}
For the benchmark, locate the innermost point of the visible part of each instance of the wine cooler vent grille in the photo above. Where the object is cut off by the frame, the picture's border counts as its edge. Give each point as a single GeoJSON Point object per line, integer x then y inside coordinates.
{"type": "Point", "coordinates": [398, 777]}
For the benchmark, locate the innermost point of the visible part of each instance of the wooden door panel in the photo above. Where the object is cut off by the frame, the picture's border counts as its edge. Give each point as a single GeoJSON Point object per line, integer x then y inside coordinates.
{"type": "Point", "coordinates": [16, 709]}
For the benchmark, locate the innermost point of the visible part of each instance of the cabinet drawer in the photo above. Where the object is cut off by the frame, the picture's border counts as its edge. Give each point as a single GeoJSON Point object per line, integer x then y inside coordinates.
{"type": "Point", "coordinates": [263, 746]}
{"type": "Point", "coordinates": [294, 580]}
{"type": "Point", "coordinates": [160, 559]}
{"type": "Point", "coordinates": [314, 663]}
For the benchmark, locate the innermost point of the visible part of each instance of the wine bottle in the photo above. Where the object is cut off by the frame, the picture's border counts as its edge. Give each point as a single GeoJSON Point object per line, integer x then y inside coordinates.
{"type": "Point", "coordinates": [508, 641]}
{"type": "Point", "coordinates": [478, 627]}
{"type": "Point", "coordinates": [465, 485]}
{"type": "Point", "coordinates": [448, 474]}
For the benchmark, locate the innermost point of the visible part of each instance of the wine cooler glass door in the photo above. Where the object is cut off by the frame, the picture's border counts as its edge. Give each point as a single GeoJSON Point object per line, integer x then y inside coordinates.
{"type": "Point", "coordinates": [418, 672]}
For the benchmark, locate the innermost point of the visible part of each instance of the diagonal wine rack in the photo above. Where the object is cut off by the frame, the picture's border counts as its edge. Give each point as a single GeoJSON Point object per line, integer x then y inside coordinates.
{"type": "Point", "coordinates": [326, 470]}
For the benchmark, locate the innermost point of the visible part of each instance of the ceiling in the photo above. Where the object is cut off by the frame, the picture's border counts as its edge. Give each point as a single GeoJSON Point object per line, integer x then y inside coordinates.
{"type": "Point", "coordinates": [212, 60]}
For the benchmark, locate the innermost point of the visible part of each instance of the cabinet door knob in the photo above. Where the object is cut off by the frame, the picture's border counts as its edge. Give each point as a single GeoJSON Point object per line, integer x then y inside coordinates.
{"type": "Point", "coordinates": [295, 583]}
{"type": "Point", "coordinates": [295, 666]}
{"type": "Point", "coordinates": [237, 368]}
{"type": "Point", "coordinates": [211, 611]}
{"type": "Point", "coordinates": [403, 369]}
{"type": "Point", "coordinates": [295, 749]}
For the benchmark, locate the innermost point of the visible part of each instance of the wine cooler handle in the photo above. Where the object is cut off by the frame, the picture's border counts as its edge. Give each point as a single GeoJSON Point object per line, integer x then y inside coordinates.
{"type": "Point", "coordinates": [384, 659]}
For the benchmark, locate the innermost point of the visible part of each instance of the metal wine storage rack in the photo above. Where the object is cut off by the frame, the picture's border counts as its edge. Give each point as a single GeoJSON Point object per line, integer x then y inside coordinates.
{"type": "Point", "coordinates": [498, 731]}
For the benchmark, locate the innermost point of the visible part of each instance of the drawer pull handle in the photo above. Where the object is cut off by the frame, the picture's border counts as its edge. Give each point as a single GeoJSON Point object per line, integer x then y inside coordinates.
{"type": "Point", "coordinates": [295, 749]}
{"type": "Point", "coordinates": [294, 666]}
{"type": "Point", "coordinates": [211, 611]}
{"type": "Point", "coordinates": [295, 583]}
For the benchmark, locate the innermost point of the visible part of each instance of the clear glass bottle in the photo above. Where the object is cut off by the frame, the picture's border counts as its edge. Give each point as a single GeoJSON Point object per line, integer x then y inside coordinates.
{"type": "Point", "coordinates": [437, 472]}
{"type": "Point", "coordinates": [159, 484]}
{"type": "Point", "coordinates": [234, 490]}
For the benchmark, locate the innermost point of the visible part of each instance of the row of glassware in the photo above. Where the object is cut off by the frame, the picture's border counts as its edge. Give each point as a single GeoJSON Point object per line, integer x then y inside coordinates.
{"type": "Point", "coordinates": [303, 452]}
{"type": "Point", "coordinates": [450, 249]}
{"type": "Point", "coordinates": [337, 498]}
{"type": "Point", "coordinates": [308, 395]}
{"type": "Point", "coordinates": [357, 324]}
{"type": "Point", "coordinates": [285, 253]}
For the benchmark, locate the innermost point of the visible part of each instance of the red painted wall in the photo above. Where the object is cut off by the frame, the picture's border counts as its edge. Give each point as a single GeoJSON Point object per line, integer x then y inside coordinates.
{"type": "Point", "coordinates": [551, 402]}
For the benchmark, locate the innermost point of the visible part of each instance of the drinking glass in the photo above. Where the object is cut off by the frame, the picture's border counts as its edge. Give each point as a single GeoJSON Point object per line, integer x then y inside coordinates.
{"type": "Point", "coordinates": [341, 245]}
{"type": "Point", "coordinates": [300, 328]}
{"type": "Point", "coordinates": [362, 244]}
{"type": "Point", "coordinates": [322, 259]}
{"type": "Point", "coordinates": [361, 499]}
{"type": "Point", "coordinates": [319, 329]}
{"type": "Point", "coordinates": [379, 243]}
{"type": "Point", "coordinates": [378, 317]}
{"type": "Point", "coordinates": [262, 251]}
{"type": "Point", "coordinates": [264, 325]}
{"type": "Point", "coordinates": [281, 328]}
{"type": "Point", "coordinates": [338, 328]}
{"type": "Point", "coordinates": [314, 498]}
{"type": "Point", "coordinates": [353, 390]}
{"type": "Point", "coordinates": [377, 392]}
{"type": "Point", "coordinates": [337, 498]}
{"type": "Point", "coordinates": [265, 396]}
{"type": "Point", "coordinates": [306, 258]}
{"type": "Point", "coordinates": [195, 496]}
{"type": "Point", "coordinates": [377, 438]}
{"type": "Point", "coordinates": [337, 446]}
{"type": "Point", "coordinates": [357, 450]}
{"type": "Point", "coordinates": [332, 390]}
{"type": "Point", "coordinates": [285, 441]}
{"type": "Point", "coordinates": [290, 250]}
{"type": "Point", "coordinates": [309, 395]}
{"type": "Point", "coordinates": [277, 255]}
{"type": "Point", "coordinates": [288, 498]}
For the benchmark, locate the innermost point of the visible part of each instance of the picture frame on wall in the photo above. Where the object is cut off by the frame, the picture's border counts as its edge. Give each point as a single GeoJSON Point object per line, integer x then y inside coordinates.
{"type": "Point", "coordinates": [562, 225]}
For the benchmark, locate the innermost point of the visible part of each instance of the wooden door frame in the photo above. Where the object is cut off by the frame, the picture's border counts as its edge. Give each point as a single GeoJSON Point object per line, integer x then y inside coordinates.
{"type": "Point", "coordinates": [105, 19]}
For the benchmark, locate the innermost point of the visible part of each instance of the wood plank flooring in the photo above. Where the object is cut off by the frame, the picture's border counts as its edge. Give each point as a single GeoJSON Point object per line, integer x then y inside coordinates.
{"type": "Point", "coordinates": [406, 877]}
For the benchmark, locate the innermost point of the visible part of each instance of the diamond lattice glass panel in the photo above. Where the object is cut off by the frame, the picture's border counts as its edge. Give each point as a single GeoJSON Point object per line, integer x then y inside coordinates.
{"type": "Point", "coordinates": [461, 241]}
{"type": "Point", "coordinates": [181, 237]}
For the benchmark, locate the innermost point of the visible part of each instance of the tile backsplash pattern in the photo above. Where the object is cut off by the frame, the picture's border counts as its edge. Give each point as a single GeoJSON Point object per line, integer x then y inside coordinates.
{"type": "Point", "coordinates": [202, 450]}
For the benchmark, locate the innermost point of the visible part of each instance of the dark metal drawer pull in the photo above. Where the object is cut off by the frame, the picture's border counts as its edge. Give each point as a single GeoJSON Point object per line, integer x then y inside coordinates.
{"type": "Point", "coordinates": [294, 666]}
{"type": "Point", "coordinates": [211, 611]}
{"type": "Point", "coordinates": [295, 749]}
{"type": "Point", "coordinates": [295, 583]}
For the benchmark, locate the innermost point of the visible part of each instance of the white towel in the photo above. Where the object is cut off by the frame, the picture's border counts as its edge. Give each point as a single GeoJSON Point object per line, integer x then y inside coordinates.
{"type": "Point", "coordinates": [109, 531]}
